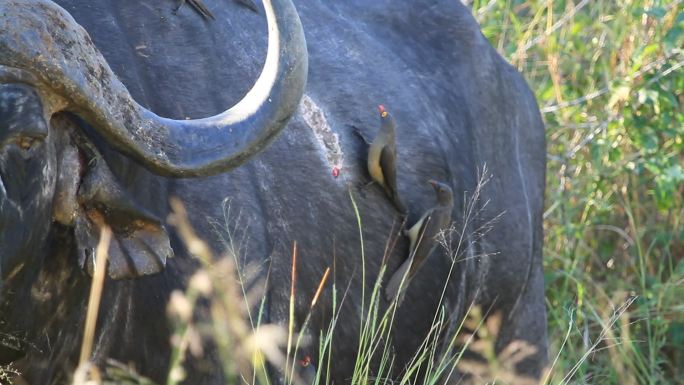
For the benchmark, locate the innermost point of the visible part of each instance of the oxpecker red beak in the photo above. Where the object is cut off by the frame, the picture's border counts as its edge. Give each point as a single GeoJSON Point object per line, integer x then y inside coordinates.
{"type": "Point", "coordinates": [383, 112]}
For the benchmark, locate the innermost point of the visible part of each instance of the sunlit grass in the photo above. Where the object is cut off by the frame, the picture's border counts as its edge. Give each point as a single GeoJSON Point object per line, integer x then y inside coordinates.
{"type": "Point", "coordinates": [609, 78]}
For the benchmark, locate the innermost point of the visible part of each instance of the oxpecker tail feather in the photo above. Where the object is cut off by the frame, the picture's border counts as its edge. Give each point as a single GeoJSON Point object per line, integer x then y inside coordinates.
{"type": "Point", "coordinates": [394, 284]}
{"type": "Point", "coordinates": [398, 203]}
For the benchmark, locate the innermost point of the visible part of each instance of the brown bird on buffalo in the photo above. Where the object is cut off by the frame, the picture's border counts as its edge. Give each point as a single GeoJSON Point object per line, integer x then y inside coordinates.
{"type": "Point", "coordinates": [382, 157]}
{"type": "Point", "coordinates": [424, 238]}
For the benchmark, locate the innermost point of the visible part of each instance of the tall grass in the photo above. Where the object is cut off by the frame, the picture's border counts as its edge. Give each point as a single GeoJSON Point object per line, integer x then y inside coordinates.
{"type": "Point", "coordinates": [609, 77]}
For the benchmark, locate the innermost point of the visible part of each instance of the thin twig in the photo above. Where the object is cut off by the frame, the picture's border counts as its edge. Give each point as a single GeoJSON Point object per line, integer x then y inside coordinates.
{"type": "Point", "coordinates": [484, 10]}
{"type": "Point", "coordinates": [665, 73]}
{"type": "Point", "coordinates": [605, 90]}
{"type": "Point", "coordinates": [290, 329]}
{"type": "Point", "coordinates": [586, 140]}
{"type": "Point", "coordinates": [616, 315]}
{"type": "Point", "coordinates": [557, 25]}
{"type": "Point", "coordinates": [575, 102]}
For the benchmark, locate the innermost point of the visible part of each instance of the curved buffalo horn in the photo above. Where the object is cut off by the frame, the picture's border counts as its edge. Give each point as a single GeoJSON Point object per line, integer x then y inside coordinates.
{"type": "Point", "coordinates": [41, 38]}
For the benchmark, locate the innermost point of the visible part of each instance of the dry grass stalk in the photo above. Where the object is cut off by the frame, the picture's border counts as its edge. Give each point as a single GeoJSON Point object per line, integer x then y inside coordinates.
{"type": "Point", "coordinates": [87, 373]}
{"type": "Point", "coordinates": [321, 285]}
{"type": "Point", "coordinates": [95, 293]}
{"type": "Point", "coordinates": [290, 327]}
{"type": "Point", "coordinates": [243, 347]}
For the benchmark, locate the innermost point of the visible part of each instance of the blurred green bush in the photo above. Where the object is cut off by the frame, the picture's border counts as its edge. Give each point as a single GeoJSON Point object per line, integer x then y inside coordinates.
{"type": "Point", "coordinates": [609, 78]}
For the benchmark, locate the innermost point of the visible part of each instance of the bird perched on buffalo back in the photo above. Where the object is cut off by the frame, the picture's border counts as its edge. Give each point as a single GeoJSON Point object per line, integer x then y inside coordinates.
{"type": "Point", "coordinates": [423, 237]}
{"type": "Point", "coordinates": [382, 158]}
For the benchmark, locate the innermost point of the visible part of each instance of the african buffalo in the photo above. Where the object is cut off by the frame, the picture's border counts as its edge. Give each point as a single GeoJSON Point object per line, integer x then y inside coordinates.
{"type": "Point", "coordinates": [79, 152]}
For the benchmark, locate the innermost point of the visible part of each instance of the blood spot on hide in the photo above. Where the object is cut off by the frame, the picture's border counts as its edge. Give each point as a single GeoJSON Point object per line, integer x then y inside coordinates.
{"type": "Point", "coordinates": [306, 361]}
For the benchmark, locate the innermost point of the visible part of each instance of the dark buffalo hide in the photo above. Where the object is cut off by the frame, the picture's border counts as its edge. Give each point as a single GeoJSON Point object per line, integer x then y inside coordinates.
{"type": "Point", "coordinates": [458, 107]}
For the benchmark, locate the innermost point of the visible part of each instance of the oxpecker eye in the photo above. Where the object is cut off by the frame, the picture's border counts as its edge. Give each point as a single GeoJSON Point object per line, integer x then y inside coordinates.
{"type": "Point", "coordinates": [336, 171]}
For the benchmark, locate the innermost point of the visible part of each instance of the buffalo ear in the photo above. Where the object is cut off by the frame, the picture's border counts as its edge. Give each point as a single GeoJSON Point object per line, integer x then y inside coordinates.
{"type": "Point", "coordinates": [139, 245]}
{"type": "Point", "coordinates": [88, 197]}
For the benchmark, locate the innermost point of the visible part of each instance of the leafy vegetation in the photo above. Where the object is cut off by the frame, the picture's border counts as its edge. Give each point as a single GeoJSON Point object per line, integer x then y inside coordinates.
{"type": "Point", "coordinates": [609, 77]}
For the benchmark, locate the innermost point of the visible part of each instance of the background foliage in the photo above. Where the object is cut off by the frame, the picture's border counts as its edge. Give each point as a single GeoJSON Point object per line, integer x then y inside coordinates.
{"type": "Point", "coordinates": [609, 78]}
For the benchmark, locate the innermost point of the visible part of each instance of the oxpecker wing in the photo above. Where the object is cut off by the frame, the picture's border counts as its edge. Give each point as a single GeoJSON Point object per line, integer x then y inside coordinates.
{"type": "Point", "coordinates": [387, 160]}
{"type": "Point", "coordinates": [424, 238]}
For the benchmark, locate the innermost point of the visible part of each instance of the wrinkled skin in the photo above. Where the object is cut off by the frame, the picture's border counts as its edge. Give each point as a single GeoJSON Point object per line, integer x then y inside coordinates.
{"type": "Point", "coordinates": [458, 106]}
{"type": "Point", "coordinates": [27, 176]}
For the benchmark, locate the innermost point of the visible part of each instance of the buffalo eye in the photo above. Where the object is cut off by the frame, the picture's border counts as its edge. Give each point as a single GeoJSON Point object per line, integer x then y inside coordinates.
{"type": "Point", "coordinates": [26, 143]}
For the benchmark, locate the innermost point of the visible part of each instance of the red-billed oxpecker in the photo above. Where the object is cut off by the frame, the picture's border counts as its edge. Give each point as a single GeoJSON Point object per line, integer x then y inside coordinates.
{"type": "Point", "coordinates": [424, 238]}
{"type": "Point", "coordinates": [382, 158]}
